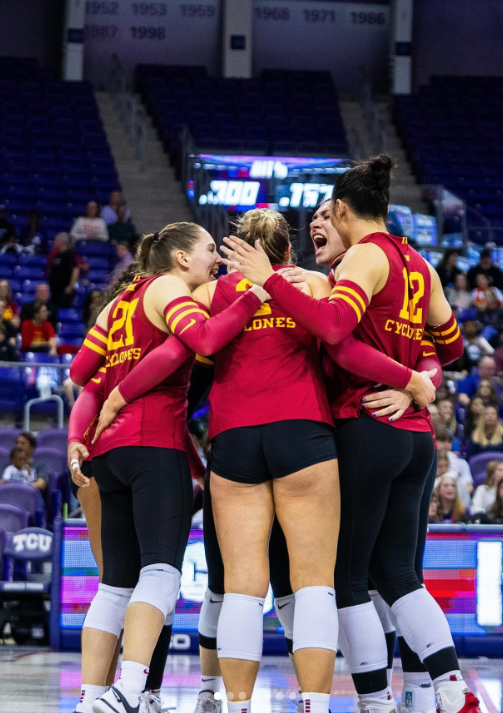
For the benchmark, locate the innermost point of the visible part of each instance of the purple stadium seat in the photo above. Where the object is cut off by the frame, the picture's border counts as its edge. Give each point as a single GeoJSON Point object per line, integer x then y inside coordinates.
{"type": "Point", "coordinates": [4, 458]}
{"type": "Point", "coordinates": [53, 438]}
{"type": "Point", "coordinates": [12, 518]}
{"type": "Point", "coordinates": [478, 465]}
{"type": "Point", "coordinates": [8, 437]}
{"type": "Point", "coordinates": [25, 497]}
{"type": "Point", "coordinates": [53, 458]}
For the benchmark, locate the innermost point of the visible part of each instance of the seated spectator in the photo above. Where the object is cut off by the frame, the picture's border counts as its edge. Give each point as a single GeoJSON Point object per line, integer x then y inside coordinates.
{"type": "Point", "coordinates": [473, 413]}
{"type": "Point", "coordinates": [467, 387]}
{"type": "Point", "coordinates": [448, 419]}
{"type": "Point", "coordinates": [10, 330]}
{"type": "Point", "coordinates": [63, 271]}
{"type": "Point", "coordinates": [487, 392]}
{"type": "Point", "coordinates": [487, 268]}
{"type": "Point", "coordinates": [498, 354]}
{"type": "Point", "coordinates": [93, 304]}
{"type": "Point", "coordinates": [495, 512]}
{"type": "Point", "coordinates": [488, 435]}
{"type": "Point", "coordinates": [448, 462]}
{"type": "Point", "coordinates": [38, 333]}
{"type": "Point", "coordinates": [433, 514]}
{"type": "Point", "coordinates": [489, 312]}
{"type": "Point", "coordinates": [7, 229]}
{"type": "Point", "coordinates": [110, 212]}
{"type": "Point", "coordinates": [90, 226]}
{"type": "Point", "coordinates": [32, 237]}
{"type": "Point", "coordinates": [450, 508]}
{"type": "Point", "coordinates": [11, 310]}
{"type": "Point", "coordinates": [447, 268]}
{"type": "Point", "coordinates": [475, 345]}
{"type": "Point", "coordinates": [485, 495]}
{"type": "Point", "coordinates": [123, 230]}
{"type": "Point", "coordinates": [8, 351]}
{"type": "Point", "coordinates": [21, 470]}
{"type": "Point", "coordinates": [482, 287]}
{"type": "Point", "coordinates": [124, 260]}
{"type": "Point", "coordinates": [459, 296]}
{"type": "Point", "coordinates": [42, 294]}
{"type": "Point", "coordinates": [28, 442]}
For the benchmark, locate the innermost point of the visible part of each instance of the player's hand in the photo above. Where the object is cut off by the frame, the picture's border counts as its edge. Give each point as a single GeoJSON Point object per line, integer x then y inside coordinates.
{"type": "Point", "coordinates": [392, 403]}
{"type": "Point", "coordinates": [422, 388]}
{"type": "Point", "coordinates": [252, 262]}
{"type": "Point", "coordinates": [109, 412]}
{"type": "Point", "coordinates": [77, 452]}
{"type": "Point", "coordinates": [294, 275]}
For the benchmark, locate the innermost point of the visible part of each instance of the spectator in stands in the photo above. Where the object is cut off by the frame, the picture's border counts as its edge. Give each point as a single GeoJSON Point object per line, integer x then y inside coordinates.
{"type": "Point", "coordinates": [28, 442]}
{"type": "Point", "coordinates": [32, 237]}
{"type": "Point", "coordinates": [124, 260]}
{"type": "Point", "coordinates": [90, 226]}
{"type": "Point", "coordinates": [487, 392]}
{"type": "Point", "coordinates": [8, 351]}
{"type": "Point", "coordinates": [476, 346]}
{"type": "Point", "coordinates": [447, 267]}
{"type": "Point", "coordinates": [498, 355]}
{"type": "Point", "coordinates": [496, 511]}
{"type": "Point", "coordinates": [38, 333]}
{"type": "Point", "coordinates": [21, 471]}
{"type": "Point", "coordinates": [467, 387]}
{"type": "Point", "coordinates": [488, 268]}
{"type": "Point", "coordinates": [456, 466]}
{"type": "Point", "coordinates": [63, 271]}
{"type": "Point", "coordinates": [10, 330]}
{"type": "Point", "coordinates": [110, 212]}
{"type": "Point", "coordinates": [11, 310]}
{"type": "Point", "coordinates": [485, 495]}
{"type": "Point", "coordinates": [459, 296]}
{"type": "Point", "coordinates": [488, 435]}
{"type": "Point", "coordinates": [91, 308]}
{"type": "Point", "coordinates": [7, 229]}
{"type": "Point", "coordinates": [481, 291]}
{"type": "Point", "coordinates": [473, 413]}
{"type": "Point", "coordinates": [448, 418]}
{"type": "Point", "coordinates": [433, 515]}
{"type": "Point", "coordinates": [42, 294]}
{"type": "Point", "coordinates": [123, 230]}
{"type": "Point", "coordinates": [489, 312]}
{"type": "Point", "coordinates": [450, 507]}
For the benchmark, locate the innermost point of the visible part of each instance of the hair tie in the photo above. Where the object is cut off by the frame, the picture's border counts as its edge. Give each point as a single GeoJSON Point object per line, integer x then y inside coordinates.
{"type": "Point", "coordinates": [156, 238]}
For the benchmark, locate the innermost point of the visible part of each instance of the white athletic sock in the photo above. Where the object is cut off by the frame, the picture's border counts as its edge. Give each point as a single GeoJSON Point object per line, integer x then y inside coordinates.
{"type": "Point", "coordinates": [132, 681]}
{"type": "Point", "coordinates": [88, 695]}
{"type": "Point", "coordinates": [211, 683]}
{"type": "Point", "coordinates": [418, 693]}
{"type": "Point", "coordinates": [376, 696]}
{"type": "Point", "coordinates": [316, 702]}
{"type": "Point", "coordinates": [239, 706]}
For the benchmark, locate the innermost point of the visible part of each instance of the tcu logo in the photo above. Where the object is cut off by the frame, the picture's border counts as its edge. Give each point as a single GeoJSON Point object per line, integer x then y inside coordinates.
{"type": "Point", "coordinates": [32, 543]}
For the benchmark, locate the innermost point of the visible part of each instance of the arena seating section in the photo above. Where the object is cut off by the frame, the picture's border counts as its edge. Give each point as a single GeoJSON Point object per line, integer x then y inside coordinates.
{"type": "Point", "coordinates": [452, 130]}
{"type": "Point", "coordinates": [283, 112]}
{"type": "Point", "coordinates": [54, 154]}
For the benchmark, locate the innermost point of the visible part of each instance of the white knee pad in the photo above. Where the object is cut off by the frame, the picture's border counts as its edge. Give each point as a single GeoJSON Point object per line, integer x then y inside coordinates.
{"type": "Point", "coordinates": [315, 623]}
{"type": "Point", "coordinates": [240, 630]}
{"type": "Point", "coordinates": [285, 609]}
{"type": "Point", "coordinates": [383, 611]}
{"type": "Point", "coordinates": [108, 609]}
{"type": "Point", "coordinates": [210, 612]}
{"type": "Point", "coordinates": [158, 586]}
{"type": "Point", "coordinates": [362, 638]}
{"type": "Point", "coordinates": [422, 623]}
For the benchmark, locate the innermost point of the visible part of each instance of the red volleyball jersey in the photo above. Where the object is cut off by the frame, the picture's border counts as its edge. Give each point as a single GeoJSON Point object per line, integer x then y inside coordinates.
{"type": "Point", "coordinates": [394, 323]}
{"type": "Point", "coordinates": [270, 372]}
{"type": "Point", "coordinates": [159, 417]}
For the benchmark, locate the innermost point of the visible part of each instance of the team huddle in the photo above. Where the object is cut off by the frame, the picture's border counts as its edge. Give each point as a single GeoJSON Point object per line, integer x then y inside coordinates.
{"type": "Point", "coordinates": [318, 480]}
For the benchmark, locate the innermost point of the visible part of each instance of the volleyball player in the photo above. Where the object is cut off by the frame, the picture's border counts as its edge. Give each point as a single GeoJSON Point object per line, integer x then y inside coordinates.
{"type": "Point", "coordinates": [140, 464]}
{"type": "Point", "coordinates": [387, 293]}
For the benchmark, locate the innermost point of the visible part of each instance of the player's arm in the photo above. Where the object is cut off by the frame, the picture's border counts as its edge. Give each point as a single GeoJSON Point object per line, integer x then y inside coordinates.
{"type": "Point", "coordinates": [92, 353]}
{"type": "Point", "coordinates": [362, 272]}
{"type": "Point", "coordinates": [189, 320]}
{"type": "Point", "coordinates": [442, 324]}
{"type": "Point", "coordinates": [82, 419]}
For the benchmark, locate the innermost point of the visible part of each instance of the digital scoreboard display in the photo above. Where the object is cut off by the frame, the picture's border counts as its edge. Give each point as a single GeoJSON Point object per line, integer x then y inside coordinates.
{"type": "Point", "coordinates": [240, 183]}
{"type": "Point", "coordinates": [463, 570]}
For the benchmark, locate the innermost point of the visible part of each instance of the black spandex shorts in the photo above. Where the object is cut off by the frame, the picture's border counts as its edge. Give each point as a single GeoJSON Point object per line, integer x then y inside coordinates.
{"type": "Point", "coordinates": [256, 454]}
{"type": "Point", "coordinates": [87, 470]}
{"type": "Point", "coordinates": [146, 510]}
